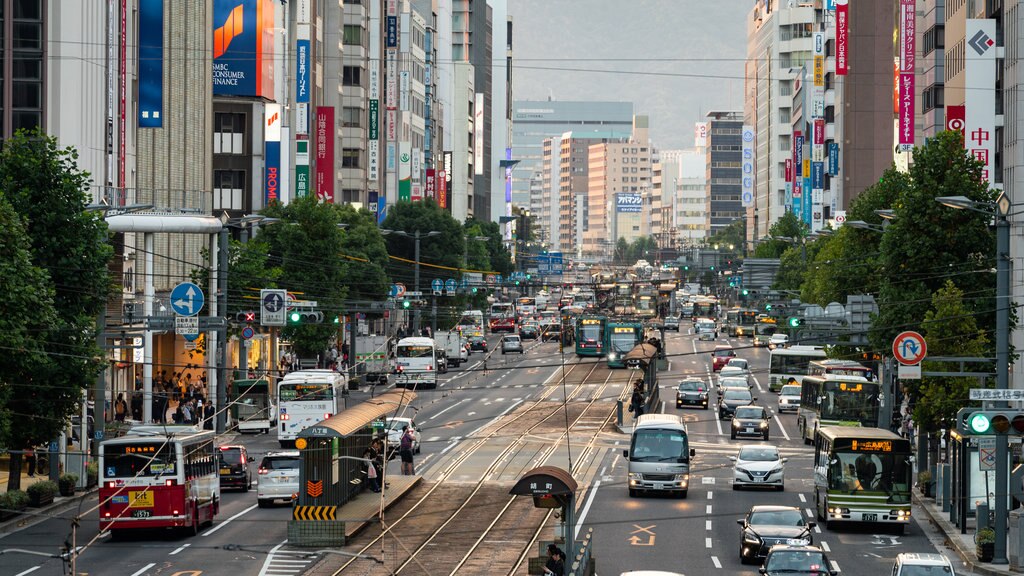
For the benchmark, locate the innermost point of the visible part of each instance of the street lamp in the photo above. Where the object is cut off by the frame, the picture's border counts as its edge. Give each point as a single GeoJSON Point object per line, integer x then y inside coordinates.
{"type": "Point", "coordinates": [886, 213]}
{"type": "Point", "coordinates": [417, 236]}
{"type": "Point", "coordinates": [864, 225]}
{"type": "Point", "coordinates": [1000, 209]}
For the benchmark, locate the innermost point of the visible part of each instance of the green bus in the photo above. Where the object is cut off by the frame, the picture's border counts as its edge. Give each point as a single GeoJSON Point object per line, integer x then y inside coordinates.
{"type": "Point", "coordinates": [590, 331]}
{"type": "Point", "coordinates": [836, 400]}
{"type": "Point", "coordinates": [252, 407]}
{"type": "Point", "coordinates": [862, 475]}
{"type": "Point", "coordinates": [620, 338]}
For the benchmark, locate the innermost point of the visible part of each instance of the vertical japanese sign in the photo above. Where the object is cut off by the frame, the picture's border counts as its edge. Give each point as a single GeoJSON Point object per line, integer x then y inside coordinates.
{"type": "Point", "coordinates": [747, 167]}
{"type": "Point", "coordinates": [441, 189]}
{"type": "Point", "coordinates": [271, 153]}
{"type": "Point", "coordinates": [842, 36]}
{"type": "Point", "coordinates": [789, 169]}
{"type": "Point", "coordinates": [818, 142]}
{"type": "Point", "coordinates": [151, 63]}
{"type": "Point", "coordinates": [798, 145]}
{"type": "Point", "coordinates": [431, 184]}
{"type": "Point", "coordinates": [325, 153]}
{"type": "Point", "coordinates": [403, 90]}
{"type": "Point", "coordinates": [700, 134]}
{"type": "Point", "coordinates": [908, 29]}
{"type": "Point", "coordinates": [833, 158]}
{"type": "Point", "coordinates": [445, 186]}
{"type": "Point", "coordinates": [478, 134]}
{"type": "Point", "coordinates": [819, 59]}
{"type": "Point", "coordinates": [405, 171]}
{"type": "Point", "coordinates": [301, 168]}
{"type": "Point", "coordinates": [980, 94]}
{"type": "Point", "coordinates": [417, 189]}
{"type": "Point", "coordinates": [955, 116]}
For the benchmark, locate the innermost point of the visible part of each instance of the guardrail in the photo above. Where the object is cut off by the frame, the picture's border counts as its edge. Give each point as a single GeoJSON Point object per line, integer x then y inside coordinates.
{"type": "Point", "coordinates": [582, 564]}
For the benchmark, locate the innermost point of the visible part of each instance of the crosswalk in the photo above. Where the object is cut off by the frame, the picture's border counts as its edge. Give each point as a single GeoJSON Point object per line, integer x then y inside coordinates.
{"type": "Point", "coordinates": [281, 562]}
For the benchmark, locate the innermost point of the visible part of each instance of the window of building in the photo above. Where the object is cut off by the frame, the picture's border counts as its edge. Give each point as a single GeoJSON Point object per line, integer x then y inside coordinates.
{"type": "Point", "coordinates": [934, 39]}
{"type": "Point", "coordinates": [784, 115]}
{"type": "Point", "coordinates": [352, 35]}
{"type": "Point", "coordinates": [350, 158]}
{"type": "Point", "coordinates": [228, 189]}
{"type": "Point", "coordinates": [350, 196]}
{"type": "Point", "coordinates": [229, 133]}
{"type": "Point", "coordinates": [351, 116]}
{"type": "Point", "coordinates": [351, 76]}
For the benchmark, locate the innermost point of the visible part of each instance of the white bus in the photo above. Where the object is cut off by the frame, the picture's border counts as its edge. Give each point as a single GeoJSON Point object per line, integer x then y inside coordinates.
{"type": "Point", "coordinates": [526, 307]}
{"type": "Point", "coordinates": [502, 309]}
{"type": "Point", "coordinates": [416, 363]}
{"type": "Point", "coordinates": [305, 398]}
{"type": "Point", "coordinates": [472, 322]}
{"type": "Point", "coordinates": [790, 365]}
{"type": "Point", "coordinates": [659, 455]}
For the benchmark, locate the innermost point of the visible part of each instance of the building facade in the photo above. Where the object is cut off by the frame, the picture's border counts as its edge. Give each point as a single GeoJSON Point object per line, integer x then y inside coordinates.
{"type": "Point", "coordinates": [472, 42]}
{"type": "Point", "coordinates": [722, 186]}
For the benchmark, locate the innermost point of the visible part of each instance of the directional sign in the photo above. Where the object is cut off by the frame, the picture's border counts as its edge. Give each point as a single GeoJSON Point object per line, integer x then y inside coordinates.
{"type": "Point", "coordinates": [272, 307]}
{"type": "Point", "coordinates": [491, 279]}
{"type": "Point", "coordinates": [994, 394]}
{"type": "Point", "coordinates": [393, 291]}
{"type": "Point", "coordinates": [450, 285]}
{"type": "Point", "coordinates": [186, 325]}
{"type": "Point", "coordinates": [187, 299]}
{"type": "Point", "coordinates": [437, 284]}
{"type": "Point", "coordinates": [987, 453]}
{"type": "Point", "coordinates": [909, 348]}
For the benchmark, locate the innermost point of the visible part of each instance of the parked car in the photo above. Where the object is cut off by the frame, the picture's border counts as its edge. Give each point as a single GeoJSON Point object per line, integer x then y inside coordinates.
{"type": "Point", "coordinates": [692, 392]}
{"type": "Point", "coordinates": [234, 467]}
{"type": "Point", "coordinates": [394, 425]}
{"type": "Point", "coordinates": [511, 343]}
{"type": "Point", "coordinates": [778, 340]}
{"type": "Point", "coordinates": [765, 526]}
{"type": "Point", "coordinates": [672, 323]}
{"type": "Point", "coordinates": [732, 399]}
{"type": "Point", "coordinates": [278, 477]}
{"type": "Point", "coordinates": [750, 421]}
{"type": "Point", "coordinates": [922, 564]}
{"type": "Point", "coordinates": [789, 398]}
{"type": "Point", "coordinates": [477, 344]}
{"type": "Point", "coordinates": [721, 356]}
{"type": "Point", "coordinates": [757, 466]}
{"type": "Point", "coordinates": [788, 559]}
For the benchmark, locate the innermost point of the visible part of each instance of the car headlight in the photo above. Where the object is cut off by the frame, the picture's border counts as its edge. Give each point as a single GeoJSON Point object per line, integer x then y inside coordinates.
{"type": "Point", "coordinates": [751, 538]}
{"type": "Point", "coordinates": [736, 424]}
{"type": "Point", "coordinates": [612, 356]}
{"type": "Point", "coordinates": [742, 471]}
{"type": "Point", "coordinates": [763, 425]}
{"type": "Point", "coordinates": [775, 471]}
{"type": "Point", "coordinates": [636, 476]}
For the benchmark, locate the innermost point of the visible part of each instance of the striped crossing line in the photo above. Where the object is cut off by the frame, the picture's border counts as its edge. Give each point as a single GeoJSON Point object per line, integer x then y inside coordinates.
{"type": "Point", "coordinates": [286, 562]}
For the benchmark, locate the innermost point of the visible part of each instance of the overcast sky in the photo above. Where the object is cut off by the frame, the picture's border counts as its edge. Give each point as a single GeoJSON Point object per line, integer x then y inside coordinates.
{"type": "Point", "coordinates": [690, 53]}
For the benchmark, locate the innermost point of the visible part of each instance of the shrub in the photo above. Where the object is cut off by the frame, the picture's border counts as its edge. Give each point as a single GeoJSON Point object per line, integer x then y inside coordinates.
{"type": "Point", "coordinates": [43, 489]}
{"type": "Point", "coordinates": [985, 536]}
{"type": "Point", "coordinates": [14, 500]}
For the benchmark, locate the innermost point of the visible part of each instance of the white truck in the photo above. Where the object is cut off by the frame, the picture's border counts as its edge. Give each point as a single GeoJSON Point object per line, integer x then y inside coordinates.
{"type": "Point", "coordinates": [451, 343]}
{"type": "Point", "coordinates": [373, 358]}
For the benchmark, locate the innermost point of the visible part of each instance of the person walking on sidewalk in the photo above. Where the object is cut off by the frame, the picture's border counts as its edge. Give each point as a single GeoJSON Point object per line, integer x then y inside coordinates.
{"type": "Point", "coordinates": [30, 458]}
{"type": "Point", "coordinates": [120, 408]}
{"type": "Point", "coordinates": [405, 451]}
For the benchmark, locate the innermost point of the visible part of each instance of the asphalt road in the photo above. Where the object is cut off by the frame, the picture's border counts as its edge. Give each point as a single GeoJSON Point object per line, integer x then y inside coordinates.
{"type": "Point", "coordinates": [699, 534]}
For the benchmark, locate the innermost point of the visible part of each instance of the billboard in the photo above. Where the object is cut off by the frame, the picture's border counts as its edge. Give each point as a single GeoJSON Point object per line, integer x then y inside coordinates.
{"type": "Point", "coordinates": [979, 94]}
{"type": "Point", "coordinates": [325, 153]}
{"type": "Point", "coordinates": [628, 202]}
{"type": "Point", "coordinates": [271, 153]}
{"type": "Point", "coordinates": [151, 63]}
{"type": "Point", "coordinates": [908, 29]}
{"type": "Point", "coordinates": [842, 36]}
{"type": "Point", "coordinates": [700, 134]}
{"type": "Point", "coordinates": [747, 167]}
{"type": "Point", "coordinates": [301, 168]}
{"type": "Point", "coordinates": [478, 134]}
{"type": "Point", "coordinates": [405, 171]}
{"type": "Point", "coordinates": [243, 48]}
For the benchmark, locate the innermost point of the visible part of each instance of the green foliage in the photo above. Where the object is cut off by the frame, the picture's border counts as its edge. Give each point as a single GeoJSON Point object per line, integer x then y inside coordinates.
{"type": "Point", "coordinates": [788, 226]}
{"type": "Point", "coordinates": [734, 235]}
{"type": "Point", "coordinates": [14, 500]}
{"type": "Point", "coordinates": [440, 256]}
{"type": "Point", "coordinates": [950, 330]}
{"type": "Point", "coordinates": [643, 248]}
{"type": "Point", "coordinates": [498, 256]}
{"type": "Point", "coordinates": [43, 489]}
{"type": "Point", "coordinates": [48, 191]}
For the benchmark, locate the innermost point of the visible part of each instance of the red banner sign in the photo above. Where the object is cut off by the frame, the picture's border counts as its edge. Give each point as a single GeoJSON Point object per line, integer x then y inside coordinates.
{"type": "Point", "coordinates": [325, 153]}
{"type": "Point", "coordinates": [789, 169]}
{"type": "Point", "coordinates": [819, 131]}
{"type": "Point", "coordinates": [431, 184]}
{"type": "Point", "coordinates": [955, 117]}
{"type": "Point", "coordinates": [842, 34]}
{"type": "Point", "coordinates": [442, 190]}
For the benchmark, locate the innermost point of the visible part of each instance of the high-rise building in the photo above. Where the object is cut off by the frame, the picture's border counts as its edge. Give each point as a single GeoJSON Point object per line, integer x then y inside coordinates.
{"type": "Point", "coordinates": [931, 41]}
{"type": "Point", "coordinates": [534, 121]}
{"type": "Point", "coordinates": [355, 105]}
{"type": "Point", "coordinates": [463, 142]}
{"type": "Point", "coordinates": [723, 169]}
{"type": "Point", "coordinates": [472, 39]}
{"type": "Point", "coordinates": [691, 197]}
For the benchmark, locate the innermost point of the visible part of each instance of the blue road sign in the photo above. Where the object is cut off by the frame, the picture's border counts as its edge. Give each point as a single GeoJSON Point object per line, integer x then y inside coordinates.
{"type": "Point", "coordinates": [393, 292]}
{"type": "Point", "coordinates": [450, 285]}
{"type": "Point", "coordinates": [465, 282]}
{"type": "Point", "coordinates": [273, 302]}
{"type": "Point", "coordinates": [498, 279]}
{"type": "Point", "coordinates": [437, 284]}
{"type": "Point", "coordinates": [187, 299]}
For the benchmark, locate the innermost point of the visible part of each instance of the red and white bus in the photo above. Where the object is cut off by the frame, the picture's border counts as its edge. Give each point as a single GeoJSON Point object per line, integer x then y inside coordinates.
{"type": "Point", "coordinates": [159, 477]}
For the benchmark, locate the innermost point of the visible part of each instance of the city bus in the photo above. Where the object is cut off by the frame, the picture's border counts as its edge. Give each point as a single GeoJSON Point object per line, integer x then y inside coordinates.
{"type": "Point", "coordinates": [416, 363]}
{"type": "Point", "coordinates": [862, 475]}
{"type": "Point", "coordinates": [704, 307]}
{"type": "Point", "coordinates": [159, 477]}
{"type": "Point", "coordinates": [472, 322]}
{"type": "Point", "coordinates": [838, 367]}
{"type": "Point", "coordinates": [833, 400]}
{"type": "Point", "coordinates": [252, 409]}
{"type": "Point", "coordinates": [305, 398]}
{"type": "Point", "coordinates": [790, 365]}
{"type": "Point", "coordinates": [502, 309]}
{"type": "Point", "coordinates": [620, 338]}
{"type": "Point", "coordinates": [590, 335]}
{"type": "Point", "coordinates": [526, 307]}
{"type": "Point", "coordinates": [763, 330]}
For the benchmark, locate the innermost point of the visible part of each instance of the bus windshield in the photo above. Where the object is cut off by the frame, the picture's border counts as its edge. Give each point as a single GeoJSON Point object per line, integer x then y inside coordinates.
{"type": "Point", "coordinates": [659, 446]}
{"type": "Point", "coordinates": [292, 391]}
{"type": "Point", "coordinates": [792, 364]}
{"type": "Point", "coordinates": [765, 329]}
{"type": "Point", "coordinates": [139, 459]}
{"type": "Point", "coordinates": [415, 351]}
{"type": "Point", "coordinates": [854, 402]}
{"type": "Point", "coordinates": [871, 472]}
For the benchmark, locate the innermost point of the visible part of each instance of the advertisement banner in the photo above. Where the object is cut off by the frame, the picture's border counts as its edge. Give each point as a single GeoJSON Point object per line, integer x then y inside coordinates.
{"type": "Point", "coordinates": [391, 125]}
{"type": "Point", "coordinates": [700, 134]}
{"type": "Point", "coordinates": [979, 96]}
{"type": "Point", "coordinates": [906, 127]}
{"type": "Point", "coordinates": [817, 220]}
{"type": "Point", "coordinates": [302, 118]}
{"type": "Point", "coordinates": [403, 90]}
{"type": "Point", "coordinates": [392, 32]}
{"type": "Point", "coordinates": [806, 172]}
{"type": "Point", "coordinates": [478, 134]}
{"type": "Point", "coordinates": [302, 71]}
{"type": "Point", "coordinates": [789, 169]}
{"type": "Point", "coordinates": [842, 36]}
{"type": "Point", "coordinates": [955, 116]}
{"type": "Point", "coordinates": [431, 184]}
{"type": "Point", "coordinates": [417, 160]}
{"type": "Point", "coordinates": [390, 160]}
{"type": "Point", "coordinates": [833, 158]}
{"type": "Point", "coordinates": [243, 48]}
{"type": "Point", "coordinates": [628, 202]}
{"type": "Point", "coordinates": [819, 59]}
{"type": "Point", "coordinates": [271, 152]}
{"type": "Point", "coordinates": [371, 201]}
{"type": "Point", "coordinates": [382, 208]}
{"type": "Point", "coordinates": [325, 153]}
{"type": "Point", "coordinates": [806, 200]}
{"type": "Point", "coordinates": [374, 119]}
{"type": "Point", "coordinates": [798, 153]}
{"type": "Point", "coordinates": [391, 77]}
{"type": "Point", "coordinates": [818, 140]}
{"type": "Point", "coordinates": [151, 63]}
{"type": "Point", "coordinates": [747, 167]}
{"type": "Point", "coordinates": [441, 189]}
{"type": "Point", "coordinates": [908, 30]}
{"type": "Point", "coordinates": [817, 175]}
{"type": "Point", "coordinates": [301, 168]}
{"type": "Point", "coordinates": [404, 171]}
{"type": "Point", "coordinates": [374, 82]}
{"type": "Point", "coordinates": [373, 161]}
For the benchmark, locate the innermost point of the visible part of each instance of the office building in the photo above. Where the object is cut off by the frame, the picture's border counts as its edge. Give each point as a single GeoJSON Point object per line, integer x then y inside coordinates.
{"type": "Point", "coordinates": [723, 168]}
{"type": "Point", "coordinates": [931, 41]}
{"type": "Point", "coordinates": [472, 40]}
{"type": "Point", "coordinates": [691, 197]}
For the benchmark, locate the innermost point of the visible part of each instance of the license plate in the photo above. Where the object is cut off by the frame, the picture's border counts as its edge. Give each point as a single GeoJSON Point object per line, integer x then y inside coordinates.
{"type": "Point", "coordinates": [750, 430]}
{"type": "Point", "coordinates": [140, 499]}
{"type": "Point", "coordinates": [141, 513]}
{"type": "Point", "coordinates": [225, 470]}
{"type": "Point", "coordinates": [870, 517]}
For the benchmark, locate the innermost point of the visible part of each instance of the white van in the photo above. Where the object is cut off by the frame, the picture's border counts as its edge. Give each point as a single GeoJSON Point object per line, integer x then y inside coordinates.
{"type": "Point", "coordinates": [706, 329]}
{"type": "Point", "coordinates": [659, 455]}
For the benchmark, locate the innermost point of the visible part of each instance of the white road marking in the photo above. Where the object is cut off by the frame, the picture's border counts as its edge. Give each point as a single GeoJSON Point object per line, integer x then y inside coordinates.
{"type": "Point", "coordinates": [757, 383]}
{"type": "Point", "coordinates": [446, 409]}
{"type": "Point", "coordinates": [708, 509]}
{"type": "Point", "coordinates": [710, 494]}
{"type": "Point", "coordinates": [229, 520]}
{"type": "Point", "coordinates": [824, 546]}
{"type": "Point", "coordinates": [31, 570]}
{"type": "Point", "coordinates": [472, 413]}
{"type": "Point", "coordinates": [802, 498]}
{"type": "Point", "coordinates": [835, 565]}
{"type": "Point", "coordinates": [586, 508]}
{"type": "Point", "coordinates": [781, 427]}
{"type": "Point", "coordinates": [179, 549]}
{"type": "Point", "coordinates": [433, 439]}
{"type": "Point", "coordinates": [714, 560]}
{"type": "Point", "coordinates": [707, 524]}
{"type": "Point", "coordinates": [707, 542]}
{"type": "Point", "coordinates": [810, 514]}
{"type": "Point", "coordinates": [718, 422]}
{"type": "Point", "coordinates": [451, 444]}
{"type": "Point", "coordinates": [707, 480]}
{"type": "Point", "coordinates": [817, 529]}
{"type": "Point", "coordinates": [141, 571]}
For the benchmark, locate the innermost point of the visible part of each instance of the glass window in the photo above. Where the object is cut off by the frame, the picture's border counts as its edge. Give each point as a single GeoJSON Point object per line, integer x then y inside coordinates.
{"type": "Point", "coordinates": [27, 95]}
{"type": "Point", "coordinates": [350, 158]}
{"type": "Point", "coordinates": [28, 36]}
{"type": "Point", "coordinates": [141, 459]}
{"type": "Point", "coordinates": [351, 76]}
{"type": "Point", "coordinates": [26, 119]}
{"type": "Point", "coordinates": [28, 10]}
{"type": "Point", "coordinates": [28, 69]}
{"type": "Point", "coordinates": [350, 116]}
{"type": "Point", "coordinates": [353, 35]}
{"type": "Point", "coordinates": [290, 391]}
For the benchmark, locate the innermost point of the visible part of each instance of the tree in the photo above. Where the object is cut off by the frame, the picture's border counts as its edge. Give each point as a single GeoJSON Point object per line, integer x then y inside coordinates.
{"type": "Point", "coordinates": [788, 226]}
{"type": "Point", "coordinates": [25, 311]}
{"type": "Point", "coordinates": [440, 256]}
{"type": "Point", "coordinates": [498, 256]}
{"type": "Point", "coordinates": [735, 235]}
{"type": "Point", "coordinates": [364, 254]}
{"type": "Point", "coordinates": [928, 242]}
{"type": "Point", "coordinates": [48, 191]}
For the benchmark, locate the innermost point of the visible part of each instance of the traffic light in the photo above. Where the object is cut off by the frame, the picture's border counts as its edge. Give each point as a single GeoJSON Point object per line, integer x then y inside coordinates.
{"type": "Point", "coordinates": [978, 422]}
{"type": "Point", "coordinates": [686, 268]}
{"type": "Point", "coordinates": [406, 303]}
{"type": "Point", "coordinates": [246, 317]}
{"type": "Point", "coordinates": [297, 317]}
{"type": "Point", "coordinates": [746, 292]}
{"type": "Point", "coordinates": [712, 267]}
{"type": "Point", "coordinates": [768, 307]}
{"type": "Point", "coordinates": [795, 322]}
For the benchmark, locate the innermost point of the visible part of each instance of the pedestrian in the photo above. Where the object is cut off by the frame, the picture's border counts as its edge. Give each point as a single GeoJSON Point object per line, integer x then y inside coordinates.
{"type": "Point", "coordinates": [636, 404]}
{"type": "Point", "coordinates": [555, 566]}
{"type": "Point", "coordinates": [30, 459]}
{"type": "Point", "coordinates": [370, 468]}
{"type": "Point", "coordinates": [208, 415]}
{"type": "Point", "coordinates": [120, 408]}
{"type": "Point", "coordinates": [405, 446]}
{"type": "Point", "coordinates": [137, 403]}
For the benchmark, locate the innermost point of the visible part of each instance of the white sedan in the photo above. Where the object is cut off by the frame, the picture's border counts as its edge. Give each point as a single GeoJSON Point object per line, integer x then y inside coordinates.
{"type": "Point", "coordinates": [758, 466]}
{"type": "Point", "coordinates": [789, 398]}
{"type": "Point", "coordinates": [778, 341]}
{"type": "Point", "coordinates": [394, 426]}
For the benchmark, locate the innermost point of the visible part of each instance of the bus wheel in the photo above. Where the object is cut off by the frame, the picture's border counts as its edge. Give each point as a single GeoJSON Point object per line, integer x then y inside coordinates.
{"type": "Point", "coordinates": [899, 529]}
{"type": "Point", "coordinates": [193, 530]}
{"type": "Point", "coordinates": [632, 493]}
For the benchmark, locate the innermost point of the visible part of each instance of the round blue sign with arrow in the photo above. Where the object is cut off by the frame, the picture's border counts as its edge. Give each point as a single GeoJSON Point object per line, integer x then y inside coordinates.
{"type": "Point", "coordinates": [450, 285]}
{"type": "Point", "coordinates": [187, 299]}
{"type": "Point", "coordinates": [437, 284]}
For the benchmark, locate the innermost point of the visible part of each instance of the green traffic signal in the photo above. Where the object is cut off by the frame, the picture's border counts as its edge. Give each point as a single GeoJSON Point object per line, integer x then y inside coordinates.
{"type": "Point", "coordinates": [767, 306]}
{"type": "Point", "coordinates": [979, 423]}
{"type": "Point", "coordinates": [406, 304]}
{"type": "Point", "coordinates": [746, 292]}
{"type": "Point", "coordinates": [795, 322]}
{"type": "Point", "coordinates": [295, 317]}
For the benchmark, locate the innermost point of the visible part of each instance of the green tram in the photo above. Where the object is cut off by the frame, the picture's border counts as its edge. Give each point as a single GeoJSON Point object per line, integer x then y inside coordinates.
{"type": "Point", "coordinates": [620, 338]}
{"type": "Point", "coordinates": [590, 334]}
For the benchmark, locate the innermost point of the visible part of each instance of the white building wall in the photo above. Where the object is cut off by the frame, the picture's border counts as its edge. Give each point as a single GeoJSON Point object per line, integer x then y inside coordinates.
{"type": "Point", "coordinates": [461, 143]}
{"type": "Point", "coordinates": [1013, 150]}
{"type": "Point", "coordinates": [691, 199]}
{"type": "Point", "coordinates": [499, 102]}
{"type": "Point", "coordinates": [445, 69]}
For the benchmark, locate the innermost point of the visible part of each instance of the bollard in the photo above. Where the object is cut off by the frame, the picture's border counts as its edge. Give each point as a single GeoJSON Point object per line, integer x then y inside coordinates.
{"type": "Point", "coordinates": [618, 412]}
{"type": "Point", "coordinates": [981, 512]}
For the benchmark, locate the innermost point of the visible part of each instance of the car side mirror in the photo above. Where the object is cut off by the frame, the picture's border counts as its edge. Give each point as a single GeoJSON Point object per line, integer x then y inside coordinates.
{"type": "Point", "coordinates": [625, 453]}
{"type": "Point", "coordinates": [754, 399]}
{"type": "Point", "coordinates": [784, 460]}
{"type": "Point", "coordinates": [762, 570]}
{"type": "Point", "coordinates": [740, 522]}
{"type": "Point", "coordinates": [693, 451]}
{"type": "Point", "coordinates": [812, 524]}
{"type": "Point", "coordinates": [250, 459]}
{"type": "Point", "coordinates": [733, 458]}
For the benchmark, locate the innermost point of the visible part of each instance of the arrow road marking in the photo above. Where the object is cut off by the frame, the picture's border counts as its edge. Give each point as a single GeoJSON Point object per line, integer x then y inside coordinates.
{"type": "Point", "coordinates": [636, 540]}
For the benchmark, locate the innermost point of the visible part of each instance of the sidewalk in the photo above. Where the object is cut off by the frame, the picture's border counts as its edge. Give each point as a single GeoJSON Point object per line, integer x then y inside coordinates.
{"type": "Point", "coordinates": [961, 544]}
{"type": "Point", "coordinates": [29, 516]}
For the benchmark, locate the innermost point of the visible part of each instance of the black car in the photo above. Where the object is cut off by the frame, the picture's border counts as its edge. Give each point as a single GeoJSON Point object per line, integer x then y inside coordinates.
{"type": "Point", "coordinates": [692, 392]}
{"type": "Point", "coordinates": [234, 467]}
{"type": "Point", "coordinates": [797, 560]}
{"type": "Point", "coordinates": [550, 332]}
{"type": "Point", "coordinates": [529, 332]}
{"type": "Point", "coordinates": [750, 421]}
{"type": "Point", "coordinates": [765, 526]}
{"type": "Point", "coordinates": [477, 344]}
{"type": "Point", "coordinates": [731, 399]}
